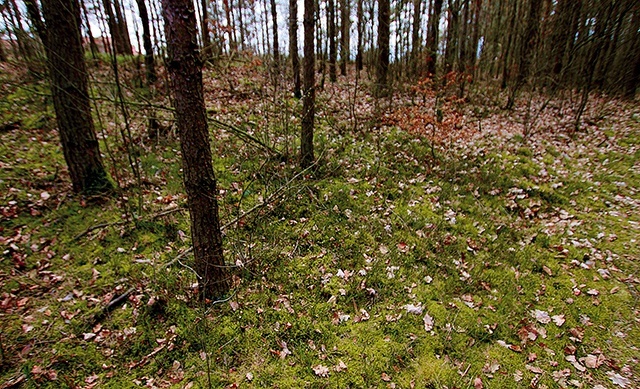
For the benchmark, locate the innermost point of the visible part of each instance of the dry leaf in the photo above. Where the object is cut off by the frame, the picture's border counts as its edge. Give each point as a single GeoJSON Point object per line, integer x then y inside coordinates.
{"type": "Point", "coordinates": [428, 322]}
{"type": "Point", "coordinates": [321, 371]}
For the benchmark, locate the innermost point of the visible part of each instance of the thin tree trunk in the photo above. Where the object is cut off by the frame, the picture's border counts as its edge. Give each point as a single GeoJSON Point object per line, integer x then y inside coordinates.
{"type": "Point", "coordinates": [360, 16]}
{"type": "Point", "coordinates": [92, 41]}
{"type": "Point", "coordinates": [69, 89]}
{"type": "Point", "coordinates": [276, 50]}
{"type": "Point", "coordinates": [149, 61]}
{"type": "Point", "coordinates": [185, 70]}
{"type": "Point", "coordinates": [122, 27]}
{"type": "Point", "coordinates": [293, 46]}
{"type": "Point", "coordinates": [204, 27]}
{"type": "Point", "coordinates": [309, 97]}
{"type": "Point", "coordinates": [345, 26]}
{"type": "Point", "coordinates": [432, 38]}
{"type": "Point", "coordinates": [415, 36]}
{"type": "Point", "coordinates": [331, 25]}
{"type": "Point", "coordinates": [383, 47]}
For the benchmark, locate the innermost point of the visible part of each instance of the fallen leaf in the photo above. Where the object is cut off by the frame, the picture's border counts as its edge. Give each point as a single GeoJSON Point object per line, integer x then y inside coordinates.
{"type": "Point", "coordinates": [541, 316]}
{"type": "Point", "coordinates": [340, 366]}
{"type": "Point", "coordinates": [477, 383]}
{"type": "Point", "coordinates": [321, 371]}
{"type": "Point", "coordinates": [558, 320]}
{"type": "Point", "coordinates": [428, 322]}
{"type": "Point", "coordinates": [619, 380]}
{"type": "Point", "coordinates": [415, 309]}
{"type": "Point", "coordinates": [386, 377]}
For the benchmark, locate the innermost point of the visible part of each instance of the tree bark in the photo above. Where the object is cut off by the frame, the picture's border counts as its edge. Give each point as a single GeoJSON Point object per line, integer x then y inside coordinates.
{"type": "Point", "coordinates": [185, 70]}
{"type": "Point", "coordinates": [293, 46]}
{"type": "Point", "coordinates": [309, 97]}
{"type": "Point", "coordinates": [345, 26]}
{"type": "Point", "coordinates": [69, 89]}
{"type": "Point", "coordinates": [204, 26]}
{"type": "Point", "coordinates": [415, 36]}
{"type": "Point", "coordinates": [383, 47]}
{"type": "Point", "coordinates": [432, 38]}
{"type": "Point", "coordinates": [360, 16]}
{"type": "Point", "coordinates": [276, 50]}
{"type": "Point", "coordinates": [149, 61]}
{"type": "Point", "coordinates": [331, 25]}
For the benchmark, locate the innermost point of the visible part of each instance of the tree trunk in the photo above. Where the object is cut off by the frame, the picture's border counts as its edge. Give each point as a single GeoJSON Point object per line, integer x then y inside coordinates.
{"type": "Point", "coordinates": [360, 16]}
{"type": "Point", "coordinates": [383, 47]}
{"type": "Point", "coordinates": [331, 25]}
{"type": "Point", "coordinates": [149, 61]}
{"type": "Point", "coordinates": [122, 26]}
{"type": "Point", "coordinates": [293, 46]}
{"type": "Point", "coordinates": [309, 97]}
{"type": "Point", "coordinates": [204, 27]}
{"type": "Point", "coordinates": [276, 50]}
{"type": "Point", "coordinates": [185, 70]}
{"type": "Point", "coordinates": [69, 89]}
{"type": "Point", "coordinates": [92, 41]}
{"type": "Point", "coordinates": [415, 36]}
{"type": "Point", "coordinates": [345, 26]}
{"type": "Point", "coordinates": [432, 38]}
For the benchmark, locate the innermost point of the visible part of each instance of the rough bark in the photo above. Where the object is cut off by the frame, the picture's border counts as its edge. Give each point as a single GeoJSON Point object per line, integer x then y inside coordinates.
{"type": "Point", "coordinates": [309, 96]}
{"type": "Point", "coordinates": [293, 46]}
{"type": "Point", "coordinates": [69, 89]}
{"type": "Point", "coordinates": [415, 36]}
{"type": "Point", "coordinates": [185, 71]}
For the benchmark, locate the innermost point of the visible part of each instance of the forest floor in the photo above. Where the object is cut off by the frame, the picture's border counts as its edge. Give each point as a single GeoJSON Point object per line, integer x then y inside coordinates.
{"type": "Point", "coordinates": [493, 249]}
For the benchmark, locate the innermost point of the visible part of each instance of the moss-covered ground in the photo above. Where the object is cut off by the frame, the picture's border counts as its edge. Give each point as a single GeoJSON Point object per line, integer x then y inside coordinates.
{"type": "Point", "coordinates": [481, 252]}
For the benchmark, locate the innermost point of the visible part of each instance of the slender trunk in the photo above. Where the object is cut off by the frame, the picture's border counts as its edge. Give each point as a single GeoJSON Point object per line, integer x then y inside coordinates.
{"type": "Point", "coordinates": [122, 27]}
{"type": "Point", "coordinates": [345, 26]}
{"type": "Point", "coordinates": [415, 36]}
{"type": "Point", "coordinates": [204, 27]}
{"type": "Point", "coordinates": [331, 25]}
{"type": "Point", "coordinates": [276, 50]}
{"type": "Point", "coordinates": [36, 20]}
{"type": "Point", "coordinates": [293, 46]}
{"type": "Point", "coordinates": [185, 70]}
{"type": "Point", "coordinates": [309, 97]}
{"type": "Point", "coordinates": [432, 38]}
{"type": "Point", "coordinates": [149, 61]}
{"type": "Point", "coordinates": [383, 47]}
{"type": "Point", "coordinates": [92, 41]}
{"type": "Point", "coordinates": [360, 16]}
{"type": "Point", "coordinates": [69, 89]}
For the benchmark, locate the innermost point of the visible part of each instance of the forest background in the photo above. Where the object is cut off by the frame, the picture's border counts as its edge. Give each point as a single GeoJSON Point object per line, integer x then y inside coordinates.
{"type": "Point", "coordinates": [425, 193]}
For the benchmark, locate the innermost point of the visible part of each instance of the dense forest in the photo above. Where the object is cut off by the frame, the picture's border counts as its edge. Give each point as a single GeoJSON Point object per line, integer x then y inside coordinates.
{"type": "Point", "coordinates": [319, 193]}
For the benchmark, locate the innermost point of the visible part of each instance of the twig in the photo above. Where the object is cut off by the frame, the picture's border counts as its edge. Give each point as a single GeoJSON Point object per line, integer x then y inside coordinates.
{"type": "Point", "coordinates": [121, 222]}
{"type": "Point", "coordinates": [113, 305]}
{"type": "Point", "coordinates": [242, 134]}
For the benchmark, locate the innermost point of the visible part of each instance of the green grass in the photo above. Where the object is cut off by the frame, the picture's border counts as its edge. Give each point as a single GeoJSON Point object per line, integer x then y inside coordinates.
{"type": "Point", "coordinates": [479, 239]}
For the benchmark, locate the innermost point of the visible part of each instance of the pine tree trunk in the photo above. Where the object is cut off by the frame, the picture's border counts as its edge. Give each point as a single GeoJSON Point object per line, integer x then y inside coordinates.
{"type": "Point", "coordinates": [432, 38]}
{"type": "Point", "coordinates": [415, 36]}
{"type": "Point", "coordinates": [69, 89]}
{"type": "Point", "coordinates": [360, 16]}
{"type": "Point", "coordinates": [276, 50]}
{"type": "Point", "coordinates": [309, 96]}
{"type": "Point", "coordinates": [383, 47]}
{"type": "Point", "coordinates": [345, 26]}
{"type": "Point", "coordinates": [185, 71]}
{"type": "Point", "coordinates": [204, 26]}
{"type": "Point", "coordinates": [149, 60]}
{"type": "Point", "coordinates": [293, 46]}
{"type": "Point", "coordinates": [331, 25]}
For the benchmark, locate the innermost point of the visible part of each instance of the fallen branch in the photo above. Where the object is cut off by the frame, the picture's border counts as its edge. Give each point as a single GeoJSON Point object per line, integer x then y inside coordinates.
{"type": "Point", "coordinates": [245, 136]}
{"type": "Point", "coordinates": [115, 303]}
